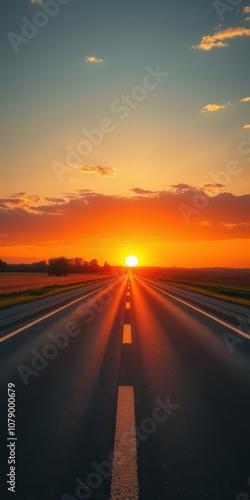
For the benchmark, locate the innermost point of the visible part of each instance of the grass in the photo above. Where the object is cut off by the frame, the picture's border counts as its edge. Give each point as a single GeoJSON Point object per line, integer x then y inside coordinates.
{"type": "Point", "coordinates": [11, 299]}
{"type": "Point", "coordinates": [236, 295]}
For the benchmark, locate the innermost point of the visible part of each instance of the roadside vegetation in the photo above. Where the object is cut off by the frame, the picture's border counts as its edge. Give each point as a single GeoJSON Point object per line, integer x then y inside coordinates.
{"type": "Point", "coordinates": [238, 295]}
{"type": "Point", "coordinates": [14, 298]}
{"type": "Point", "coordinates": [223, 283]}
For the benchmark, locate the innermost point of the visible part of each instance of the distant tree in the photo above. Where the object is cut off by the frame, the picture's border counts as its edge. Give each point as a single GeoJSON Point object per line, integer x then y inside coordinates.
{"type": "Point", "coordinates": [39, 267]}
{"type": "Point", "coordinates": [60, 266]}
{"type": "Point", "coordinates": [76, 265]}
{"type": "Point", "coordinates": [85, 267]}
{"type": "Point", "coordinates": [3, 266]}
{"type": "Point", "coordinates": [94, 266]}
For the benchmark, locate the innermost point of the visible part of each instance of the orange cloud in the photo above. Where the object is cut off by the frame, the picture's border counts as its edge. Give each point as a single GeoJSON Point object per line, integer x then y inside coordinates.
{"type": "Point", "coordinates": [93, 59]}
{"type": "Point", "coordinates": [246, 9]}
{"type": "Point", "coordinates": [245, 99]}
{"type": "Point", "coordinates": [173, 215]}
{"type": "Point", "coordinates": [144, 192]}
{"type": "Point", "coordinates": [212, 108]}
{"type": "Point", "coordinates": [209, 42]}
{"type": "Point", "coordinates": [27, 202]}
{"type": "Point", "coordinates": [103, 171]}
{"type": "Point", "coordinates": [247, 126]}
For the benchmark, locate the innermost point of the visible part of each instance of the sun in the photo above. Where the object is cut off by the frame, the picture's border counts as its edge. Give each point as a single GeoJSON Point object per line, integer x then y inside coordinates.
{"type": "Point", "coordinates": [131, 261]}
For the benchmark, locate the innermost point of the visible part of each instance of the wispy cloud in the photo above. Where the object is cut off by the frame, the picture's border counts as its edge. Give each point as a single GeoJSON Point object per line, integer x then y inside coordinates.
{"type": "Point", "coordinates": [179, 188]}
{"type": "Point", "coordinates": [182, 188]}
{"type": "Point", "coordinates": [219, 38]}
{"type": "Point", "coordinates": [144, 192]}
{"type": "Point", "coordinates": [212, 108]}
{"type": "Point", "coordinates": [247, 125]}
{"type": "Point", "coordinates": [27, 202]}
{"type": "Point", "coordinates": [246, 10]}
{"type": "Point", "coordinates": [215, 185]}
{"type": "Point", "coordinates": [93, 59]}
{"type": "Point", "coordinates": [93, 169]}
{"type": "Point", "coordinates": [245, 99]}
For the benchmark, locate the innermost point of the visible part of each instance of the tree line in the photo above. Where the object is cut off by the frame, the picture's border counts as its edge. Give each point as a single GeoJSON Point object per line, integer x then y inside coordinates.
{"type": "Point", "coordinates": [58, 266]}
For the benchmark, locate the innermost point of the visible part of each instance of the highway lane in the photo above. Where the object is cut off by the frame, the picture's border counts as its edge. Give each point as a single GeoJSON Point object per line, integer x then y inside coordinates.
{"type": "Point", "coordinates": [231, 312]}
{"type": "Point", "coordinates": [66, 407]}
{"type": "Point", "coordinates": [25, 312]}
{"type": "Point", "coordinates": [143, 375]}
{"type": "Point", "coordinates": [202, 450]}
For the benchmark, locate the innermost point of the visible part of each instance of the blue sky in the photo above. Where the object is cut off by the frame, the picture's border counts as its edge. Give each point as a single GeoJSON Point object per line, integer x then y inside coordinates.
{"type": "Point", "coordinates": [50, 94]}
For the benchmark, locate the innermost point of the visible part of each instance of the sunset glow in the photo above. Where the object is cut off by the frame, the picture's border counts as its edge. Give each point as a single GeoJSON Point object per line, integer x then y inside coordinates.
{"type": "Point", "coordinates": [110, 146]}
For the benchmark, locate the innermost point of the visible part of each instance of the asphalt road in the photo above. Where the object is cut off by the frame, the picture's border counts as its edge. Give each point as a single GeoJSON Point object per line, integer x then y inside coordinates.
{"type": "Point", "coordinates": [128, 394]}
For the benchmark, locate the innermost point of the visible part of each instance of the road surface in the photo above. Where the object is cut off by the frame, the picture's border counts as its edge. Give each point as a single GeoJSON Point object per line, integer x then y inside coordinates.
{"type": "Point", "coordinates": [132, 392]}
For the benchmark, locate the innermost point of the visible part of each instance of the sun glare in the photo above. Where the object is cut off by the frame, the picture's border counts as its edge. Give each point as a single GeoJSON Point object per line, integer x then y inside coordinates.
{"type": "Point", "coordinates": [131, 261]}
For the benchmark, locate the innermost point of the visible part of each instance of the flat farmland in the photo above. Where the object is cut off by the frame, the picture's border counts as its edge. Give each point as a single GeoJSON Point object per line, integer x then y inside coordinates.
{"type": "Point", "coordinates": [222, 277]}
{"type": "Point", "coordinates": [229, 284]}
{"type": "Point", "coordinates": [20, 282]}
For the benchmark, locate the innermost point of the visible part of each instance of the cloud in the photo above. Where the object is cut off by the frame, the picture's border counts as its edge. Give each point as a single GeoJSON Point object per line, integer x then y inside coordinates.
{"type": "Point", "coordinates": [27, 202]}
{"type": "Point", "coordinates": [246, 9]}
{"type": "Point", "coordinates": [86, 215]}
{"type": "Point", "coordinates": [209, 42]}
{"type": "Point", "coordinates": [179, 188]}
{"type": "Point", "coordinates": [212, 108]}
{"type": "Point", "coordinates": [93, 59]}
{"type": "Point", "coordinates": [215, 185]}
{"type": "Point", "coordinates": [247, 125]}
{"type": "Point", "coordinates": [245, 99]}
{"type": "Point", "coordinates": [92, 169]}
{"type": "Point", "coordinates": [143, 192]}
{"type": "Point", "coordinates": [247, 19]}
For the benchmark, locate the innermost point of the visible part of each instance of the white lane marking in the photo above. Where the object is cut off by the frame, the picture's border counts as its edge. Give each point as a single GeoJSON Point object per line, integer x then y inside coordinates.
{"type": "Point", "coordinates": [124, 483]}
{"type": "Point", "coordinates": [9, 335]}
{"type": "Point", "coordinates": [127, 305]}
{"type": "Point", "coordinates": [127, 336]}
{"type": "Point", "coordinates": [220, 321]}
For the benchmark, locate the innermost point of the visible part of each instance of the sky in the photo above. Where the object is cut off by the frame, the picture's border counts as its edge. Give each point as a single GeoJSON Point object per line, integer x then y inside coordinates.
{"type": "Point", "coordinates": [126, 129]}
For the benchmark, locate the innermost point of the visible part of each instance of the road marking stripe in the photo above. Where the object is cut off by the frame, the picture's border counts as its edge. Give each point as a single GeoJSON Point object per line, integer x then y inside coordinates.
{"type": "Point", "coordinates": [127, 336]}
{"type": "Point", "coordinates": [9, 335]}
{"type": "Point", "coordinates": [128, 294]}
{"type": "Point", "coordinates": [127, 305]}
{"type": "Point", "coordinates": [220, 321]}
{"type": "Point", "coordinates": [124, 483]}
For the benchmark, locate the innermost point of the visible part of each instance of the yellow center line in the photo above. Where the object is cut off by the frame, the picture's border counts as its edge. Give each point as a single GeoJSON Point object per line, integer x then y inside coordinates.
{"type": "Point", "coordinates": [128, 294]}
{"type": "Point", "coordinates": [127, 336]}
{"type": "Point", "coordinates": [124, 483]}
{"type": "Point", "coordinates": [127, 305]}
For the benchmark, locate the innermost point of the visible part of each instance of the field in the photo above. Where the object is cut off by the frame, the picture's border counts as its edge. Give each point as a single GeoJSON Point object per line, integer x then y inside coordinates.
{"type": "Point", "coordinates": [229, 284]}
{"type": "Point", "coordinates": [20, 282]}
